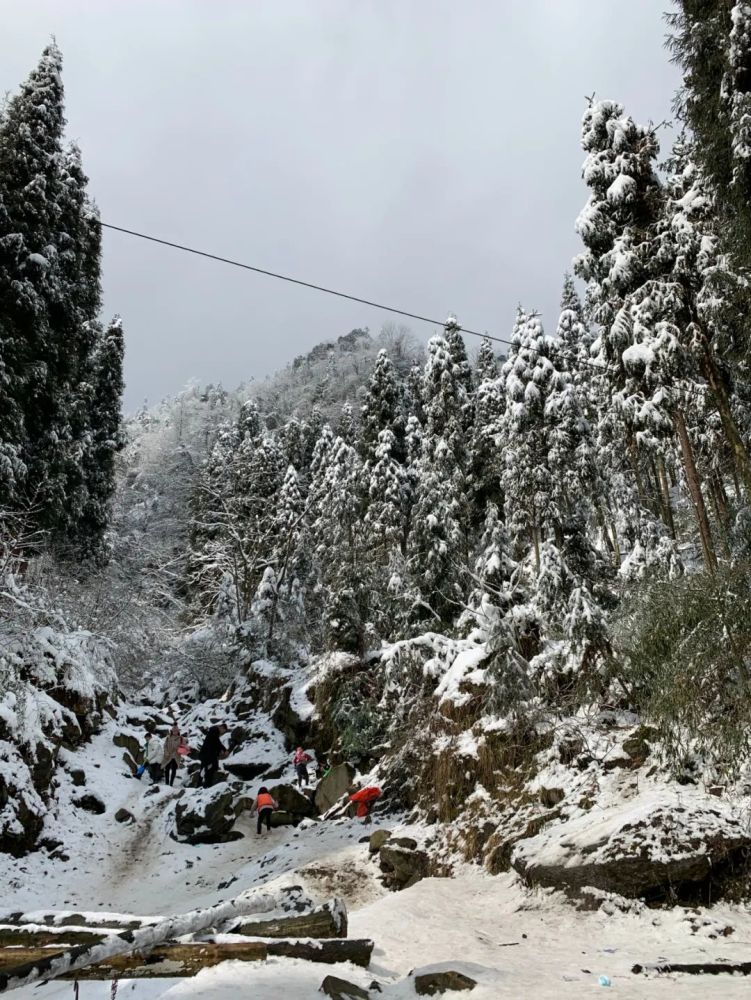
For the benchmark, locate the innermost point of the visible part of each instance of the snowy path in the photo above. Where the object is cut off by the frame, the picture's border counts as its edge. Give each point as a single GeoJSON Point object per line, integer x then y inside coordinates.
{"type": "Point", "coordinates": [515, 943]}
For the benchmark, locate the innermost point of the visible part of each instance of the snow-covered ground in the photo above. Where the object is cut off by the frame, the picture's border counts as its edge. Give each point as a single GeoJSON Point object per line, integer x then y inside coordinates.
{"type": "Point", "coordinates": [514, 942]}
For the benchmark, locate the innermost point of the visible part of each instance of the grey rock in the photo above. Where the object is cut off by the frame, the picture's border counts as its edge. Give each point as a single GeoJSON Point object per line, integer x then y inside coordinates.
{"type": "Point", "coordinates": [377, 839]}
{"type": "Point", "coordinates": [340, 989]}
{"type": "Point", "coordinates": [331, 788]}
{"type": "Point", "coordinates": [430, 984]}
{"type": "Point", "coordinates": [206, 816]}
{"type": "Point", "coordinates": [91, 803]}
{"type": "Point", "coordinates": [292, 800]}
{"type": "Point", "coordinates": [401, 866]}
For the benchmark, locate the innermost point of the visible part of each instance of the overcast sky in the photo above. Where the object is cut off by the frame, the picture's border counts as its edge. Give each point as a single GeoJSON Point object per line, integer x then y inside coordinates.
{"type": "Point", "coordinates": [424, 153]}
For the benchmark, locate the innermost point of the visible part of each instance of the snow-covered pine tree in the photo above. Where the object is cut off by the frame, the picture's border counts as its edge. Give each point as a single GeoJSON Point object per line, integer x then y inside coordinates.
{"type": "Point", "coordinates": [574, 338]}
{"type": "Point", "coordinates": [49, 301]}
{"type": "Point", "coordinates": [437, 547]}
{"type": "Point", "coordinates": [336, 533]}
{"type": "Point", "coordinates": [711, 42]}
{"type": "Point", "coordinates": [533, 499]}
{"type": "Point", "coordinates": [484, 443]}
{"type": "Point", "coordinates": [382, 410]}
{"type": "Point", "coordinates": [463, 370]}
{"type": "Point", "coordinates": [385, 531]}
{"type": "Point", "coordinates": [346, 428]}
{"type": "Point", "coordinates": [105, 438]}
{"type": "Point", "coordinates": [486, 365]}
{"type": "Point", "coordinates": [31, 193]}
{"type": "Point", "coordinates": [617, 227]}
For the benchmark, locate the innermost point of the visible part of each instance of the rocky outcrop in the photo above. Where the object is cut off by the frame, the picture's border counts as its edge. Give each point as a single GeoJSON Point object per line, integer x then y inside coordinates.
{"type": "Point", "coordinates": [335, 785]}
{"type": "Point", "coordinates": [340, 989]}
{"type": "Point", "coordinates": [130, 741]}
{"type": "Point", "coordinates": [292, 800]}
{"type": "Point", "coordinates": [90, 803]}
{"type": "Point", "coordinates": [377, 839]}
{"type": "Point", "coordinates": [642, 847]}
{"type": "Point", "coordinates": [402, 863]}
{"type": "Point", "coordinates": [430, 984]}
{"type": "Point", "coordinates": [205, 816]}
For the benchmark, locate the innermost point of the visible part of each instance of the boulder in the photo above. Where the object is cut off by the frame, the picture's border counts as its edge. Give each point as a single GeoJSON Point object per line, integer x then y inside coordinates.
{"type": "Point", "coordinates": [129, 741]}
{"type": "Point", "coordinates": [551, 797]}
{"type": "Point", "coordinates": [77, 776]}
{"type": "Point", "coordinates": [295, 729]}
{"type": "Point", "coordinates": [430, 984]}
{"type": "Point", "coordinates": [130, 763]}
{"type": "Point", "coordinates": [281, 818]}
{"type": "Point", "coordinates": [406, 842]}
{"type": "Point", "coordinates": [340, 989]}
{"type": "Point", "coordinates": [331, 788]}
{"type": "Point", "coordinates": [42, 767]}
{"type": "Point", "coordinates": [91, 803]}
{"type": "Point", "coordinates": [292, 800]}
{"type": "Point", "coordinates": [402, 866]}
{"type": "Point", "coordinates": [377, 839]}
{"type": "Point", "coordinates": [123, 816]}
{"type": "Point", "coordinates": [21, 814]}
{"type": "Point", "coordinates": [244, 771]}
{"type": "Point", "coordinates": [205, 816]}
{"type": "Point", "coordinates": [638, 847]}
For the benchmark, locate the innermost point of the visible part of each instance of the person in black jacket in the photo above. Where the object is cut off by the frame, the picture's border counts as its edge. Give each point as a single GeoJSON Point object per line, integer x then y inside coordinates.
{"type": "Point", "coordinates": [211, 752]}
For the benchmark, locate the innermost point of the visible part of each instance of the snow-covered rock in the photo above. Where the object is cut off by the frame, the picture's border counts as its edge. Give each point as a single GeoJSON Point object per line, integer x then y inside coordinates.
{"type": "Point", "coordinates": [205, 815]}
{"type": "Point", "coordinates": [664, 836]}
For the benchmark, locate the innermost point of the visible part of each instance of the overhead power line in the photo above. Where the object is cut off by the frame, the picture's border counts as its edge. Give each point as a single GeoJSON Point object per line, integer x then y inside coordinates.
{"type": "Point", "coordinates": [297, 281]}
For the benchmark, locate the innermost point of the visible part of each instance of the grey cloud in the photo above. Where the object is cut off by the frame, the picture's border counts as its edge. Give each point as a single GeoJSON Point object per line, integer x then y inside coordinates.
{"type": "Point", "coordinates": [423, 153]}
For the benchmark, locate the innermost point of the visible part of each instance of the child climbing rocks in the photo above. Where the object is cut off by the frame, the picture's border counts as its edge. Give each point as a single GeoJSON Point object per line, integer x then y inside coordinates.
{"type": "Point", "coordinates": [301, 761]}
{"type": "Point", "coordinates": [265, 805]}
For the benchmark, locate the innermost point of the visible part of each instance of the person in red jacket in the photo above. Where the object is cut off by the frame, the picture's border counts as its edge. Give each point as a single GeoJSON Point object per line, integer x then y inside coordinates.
{"type": "Point", "coordinates": [265, 805]}
{"type": "Point", "coordinates": [301, 761]}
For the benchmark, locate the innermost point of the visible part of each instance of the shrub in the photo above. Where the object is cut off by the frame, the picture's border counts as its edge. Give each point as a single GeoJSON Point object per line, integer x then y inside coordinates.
{"type": "Point", "coordinates": [686, 646]}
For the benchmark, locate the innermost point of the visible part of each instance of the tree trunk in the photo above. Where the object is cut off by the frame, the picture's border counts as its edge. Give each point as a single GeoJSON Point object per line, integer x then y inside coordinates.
{"type": "Point", "coordinates": [667, 507]}
{"type": "Point", "coordinates": [694, 488]}
{"type": "Point", "coordinates": [738, 447]}
{"type": "Point", "coordinates": [633, 452]}
{"type": "Point", "coordinates": [177, 959]}
{"type": "Point", "coordinates": [47, 966]}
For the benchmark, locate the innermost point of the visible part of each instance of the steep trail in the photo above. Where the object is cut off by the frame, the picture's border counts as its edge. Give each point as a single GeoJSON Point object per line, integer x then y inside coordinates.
{"type": "Point", "coordinates": [516, 943]}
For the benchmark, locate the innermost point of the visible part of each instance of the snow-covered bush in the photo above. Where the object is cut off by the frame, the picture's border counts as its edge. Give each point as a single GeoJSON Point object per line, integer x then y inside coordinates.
{"type": "Point", "coordinates": [687, 651]}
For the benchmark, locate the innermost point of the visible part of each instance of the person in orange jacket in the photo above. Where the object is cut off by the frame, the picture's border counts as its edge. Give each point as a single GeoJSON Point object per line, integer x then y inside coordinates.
{"type": "Point", "coordinates": [265, 805]}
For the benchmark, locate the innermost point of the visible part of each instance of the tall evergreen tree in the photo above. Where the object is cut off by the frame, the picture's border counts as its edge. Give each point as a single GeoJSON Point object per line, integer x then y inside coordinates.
{"type": "Point", "coordinates": [711, 42]}
{"type": "Point", "coordinates": [382, 409]}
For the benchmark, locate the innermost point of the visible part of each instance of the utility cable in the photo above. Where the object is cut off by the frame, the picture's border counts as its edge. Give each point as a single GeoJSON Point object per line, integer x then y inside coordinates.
{"type": "Point", "coordinates": [296, 281]}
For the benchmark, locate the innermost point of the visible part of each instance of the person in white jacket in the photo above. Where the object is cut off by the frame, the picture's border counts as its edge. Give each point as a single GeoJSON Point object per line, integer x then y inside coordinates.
{"type": "Point", "coordinates": [154, 752]}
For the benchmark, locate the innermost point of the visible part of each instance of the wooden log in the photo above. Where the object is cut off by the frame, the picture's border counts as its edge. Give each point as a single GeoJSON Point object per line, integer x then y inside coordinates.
{"type": "Point", "coordinates": [67, 918]}
{"type": "Point", "coordinates": [695, 968]}
{"type": "Point", "coordinates": [326, 921]}
{"type": "Point", "coordinates": [179, 959]}
{"type": "Point", "coordinates": [53, 966]}
{"type": "Point", "coordinates": [31, 936]}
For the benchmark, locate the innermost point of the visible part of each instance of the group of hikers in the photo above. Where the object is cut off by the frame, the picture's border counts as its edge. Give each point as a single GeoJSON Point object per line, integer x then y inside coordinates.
{"type": "Point", "coordinates": [162, 758]}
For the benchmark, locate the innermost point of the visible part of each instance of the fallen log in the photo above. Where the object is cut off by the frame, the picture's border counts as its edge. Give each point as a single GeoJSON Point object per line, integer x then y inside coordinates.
{"type": "Point", "coordinates": [71, 918]}
{"type": "Point", "coordinates": [326, 921]}
{"type": "Point", "coordinates": [176, 959]}
{"type": "Point", "coordinates": [53, 966]}
{"type": "Point", "coordinates": [695, 968]}
{"type": "Point", "coordinates": [32, 936]}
